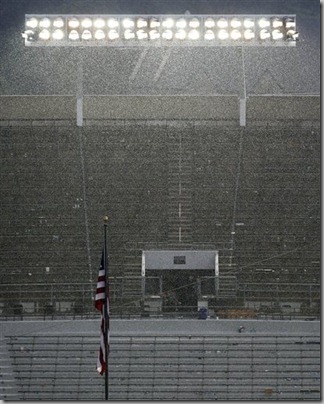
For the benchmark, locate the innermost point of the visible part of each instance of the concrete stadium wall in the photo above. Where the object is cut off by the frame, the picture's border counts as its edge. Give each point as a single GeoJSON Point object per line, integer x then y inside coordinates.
{"type": "Point", "coordinates": [42, 107]}
{"type": "Point", "coordinates": [219, 108]}
{"type": "Point", "coordinates": [158, 327]}
{"type": "Point", "coordinates": [161, 107]}
{"type": "Point", "coordinates": [283, 108]}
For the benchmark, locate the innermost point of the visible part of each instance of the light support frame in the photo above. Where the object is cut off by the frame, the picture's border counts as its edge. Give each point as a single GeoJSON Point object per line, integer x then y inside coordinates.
{"type": "Point", "coordinates": [180, 30]}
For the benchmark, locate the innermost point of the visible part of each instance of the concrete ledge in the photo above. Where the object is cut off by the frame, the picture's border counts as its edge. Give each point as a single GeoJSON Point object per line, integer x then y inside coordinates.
{"type": "Point", "coordinates": [222, 110]}
{"type": "Point", "coordinates": [283, 108]}
{"type": "Point", "coordinates": [44, 107]}
{"type": "Point", "coordinates": [161, 107]}
{"type": "Point", "coordinates": [159, 327]}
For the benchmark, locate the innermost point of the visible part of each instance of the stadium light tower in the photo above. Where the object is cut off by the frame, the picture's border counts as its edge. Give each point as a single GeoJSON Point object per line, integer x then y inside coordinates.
{"type": "Point", "coordinates": [181, 30]}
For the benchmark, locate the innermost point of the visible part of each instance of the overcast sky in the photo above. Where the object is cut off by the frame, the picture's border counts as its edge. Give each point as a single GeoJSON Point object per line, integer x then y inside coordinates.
{"type": "Point", "coordinates": [48, 71]}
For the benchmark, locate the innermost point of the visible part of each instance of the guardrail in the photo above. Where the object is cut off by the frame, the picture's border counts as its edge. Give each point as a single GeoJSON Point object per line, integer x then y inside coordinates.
{"type": "Point", "coordinates": [257, 300]}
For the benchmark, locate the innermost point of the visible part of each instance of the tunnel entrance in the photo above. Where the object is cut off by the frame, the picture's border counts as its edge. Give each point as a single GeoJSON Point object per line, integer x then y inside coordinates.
{"type": "Point", "coordinates": [174, 279]}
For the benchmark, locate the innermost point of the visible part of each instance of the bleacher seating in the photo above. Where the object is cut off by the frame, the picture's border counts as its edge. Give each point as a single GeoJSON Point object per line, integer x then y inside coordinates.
{"type": "Point", "coordinates": [8, 385]}
{"type": "Point", "coordinates": [251, 193]}
{"type": "Point", "coordinates": [244, 366]}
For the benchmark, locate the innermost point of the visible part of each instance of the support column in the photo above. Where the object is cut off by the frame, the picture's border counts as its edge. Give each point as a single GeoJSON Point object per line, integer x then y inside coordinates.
{"type": "Point", "coordinates": [242, 111]}
{"type": "Point", "coordinates": [79, 95]}
{"type": "Point", "coordinates": [242, 103]}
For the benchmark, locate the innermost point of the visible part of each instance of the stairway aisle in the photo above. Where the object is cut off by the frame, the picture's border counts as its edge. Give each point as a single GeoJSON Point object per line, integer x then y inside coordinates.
{"type": "Point", "coordinates": [180, 187]}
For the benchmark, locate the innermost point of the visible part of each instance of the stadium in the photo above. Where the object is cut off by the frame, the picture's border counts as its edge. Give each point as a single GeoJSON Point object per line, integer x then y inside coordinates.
{"type": "Point", "coordinates": [206, 160]}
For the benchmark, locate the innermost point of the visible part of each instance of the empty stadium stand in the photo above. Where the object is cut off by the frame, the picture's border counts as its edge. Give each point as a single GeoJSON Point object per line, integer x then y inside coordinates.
{"type": "Point", "coordinates": [251, 193]}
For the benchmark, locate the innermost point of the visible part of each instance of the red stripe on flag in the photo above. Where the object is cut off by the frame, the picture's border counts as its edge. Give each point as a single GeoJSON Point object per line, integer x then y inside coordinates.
{"type": "Point", "coordinates": [100, 305]}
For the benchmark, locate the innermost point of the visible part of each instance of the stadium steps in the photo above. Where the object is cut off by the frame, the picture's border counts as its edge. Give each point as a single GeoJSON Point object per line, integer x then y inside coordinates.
{"type": "Point", "coordinates": [175, 198]}
{"type": "Point", "coordinates": [8, 384]}
{"type": "Point", "coordinates": [132, 285]}
{"type": "Point", "coordinates": [179, 186]}
{"type": "Point", "coordinates": [226, 258]}
{"type": "Point", "coordinates": [174, 237]}
{"type": "Point", "coordinates": [227, 287]}
{"type": "Point", "coordinates": [145, 367]}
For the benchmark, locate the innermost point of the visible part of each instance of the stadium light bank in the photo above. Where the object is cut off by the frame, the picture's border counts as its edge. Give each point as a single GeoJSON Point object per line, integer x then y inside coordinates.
{"type": "Point", "coordinates": [160, 30]}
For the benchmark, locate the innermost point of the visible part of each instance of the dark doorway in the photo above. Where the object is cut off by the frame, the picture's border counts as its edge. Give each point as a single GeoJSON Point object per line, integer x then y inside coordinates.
{"type": "Point", "coordinates": [180, 288]}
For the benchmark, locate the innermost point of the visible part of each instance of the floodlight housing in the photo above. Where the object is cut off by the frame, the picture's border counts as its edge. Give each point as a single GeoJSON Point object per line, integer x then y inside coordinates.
{"type": "Point", "coordinates": [160, 30]}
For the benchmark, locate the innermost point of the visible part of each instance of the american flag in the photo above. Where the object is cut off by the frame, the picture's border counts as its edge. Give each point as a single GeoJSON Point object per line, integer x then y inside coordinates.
{"type": "Point", "coordinates": [100, 299]}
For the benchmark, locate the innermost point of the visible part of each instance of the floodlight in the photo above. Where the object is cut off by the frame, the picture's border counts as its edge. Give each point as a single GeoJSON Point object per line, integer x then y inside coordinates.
{"type": "Point", "coordinates": [113, 34]}
{"type": "Point", "coordinates": [264, 22]}
{"type": "Point", "coordinates": [168, 23]}
{"type": "Point", "coordinates": [277, 34]}
{"type": "Point", "coordinates": [193, 34]}
{"type": "Point", "coordinates": [248, 34]}
{"type": "Point", "coordinates": [154, 34]}
{"type": "Point", "coordinates": [209, 35]}
{"type": "Point", "coordinates": [168, 34]}
{"type": "Point", "coordinates": [194, 23]}
{"type": "Point", "coordinates": [86, 23]}
{"type": "Point", "coordinates": [112, 23]}
{"type": "Point", "coordinates": [142, 23]}
{"type": "Point", "coordinates": [74, 35]}
{"type": "Point", "coordinates": [222, 23]}
{"type": "Point", "coordinates": [128, 23]}
{"type": "Point", "coordinates": [290, 23]}
{"type": "Point", "coordinates": [160, 30]}
{"type": "Point", "coordinates": [45, 34]}
{"type": "Point", "coordinates": [277, 23]}
{"type": "Point", "coordinates": [141, 34]}
{"type": "Point", "coordinates": [29, 36]}
{"type": "Point", "coordinates": [58, 22]}
{"type": "Point", "coordinates": [73, 23]}
{"type": "Point", "coordinates": [58, 34]}
{"type": "Point", "coordinates": [154, 22]}
{"type": "Point", "coordinates": [99, 34]}
{"type": "Point", "coordinates": [86, 35]}
{"type": "Point", "coordinates": [235, 34]}
{"type": "Point", "coordinates": [45, 22]}
{"type": "Point", "coordinates": [248, 23]}
{"type": "Point", "coordinates": [223, 34]}
{"type": "Point", "coordinates": [129, 34]}
{"type": "Point", "coordinates": [235, 23]}
{"type": "Point", "coordinates": [181, 23]}
{"type": "Point", "coordinates": [210, 23]}
{"type": "Point", "coordinates": [99, 23]}
{"type": "Point", "coordinates": [264, 34]}
{"type": "Point", "coordinates": [180, 34]}
{"type": "Point", "coordinates": [31, 22]}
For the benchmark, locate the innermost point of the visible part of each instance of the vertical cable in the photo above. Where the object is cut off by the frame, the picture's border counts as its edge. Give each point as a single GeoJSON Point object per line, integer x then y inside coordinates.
{"type": "Point", "coordinates": [85, 209]}
{"type": "Point", "coordinates": [237, 183]}
{"type": "Point", "coordinates": [180, 185]}
{"type": "Point", "coordinates": [243, 72]}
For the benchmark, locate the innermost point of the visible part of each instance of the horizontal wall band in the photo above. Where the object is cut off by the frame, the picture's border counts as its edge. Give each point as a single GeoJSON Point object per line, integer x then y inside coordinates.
{"type": "Point", "coordinates": [183, 107]}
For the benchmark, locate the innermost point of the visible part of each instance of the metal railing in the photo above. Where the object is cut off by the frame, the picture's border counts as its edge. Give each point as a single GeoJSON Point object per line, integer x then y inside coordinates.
{"type": "Point", "coordinates": [129, 297]}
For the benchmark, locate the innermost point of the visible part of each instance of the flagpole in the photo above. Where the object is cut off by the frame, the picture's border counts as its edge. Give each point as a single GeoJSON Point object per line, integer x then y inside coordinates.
{"type": "Point", "coordinates": [106, 314]}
